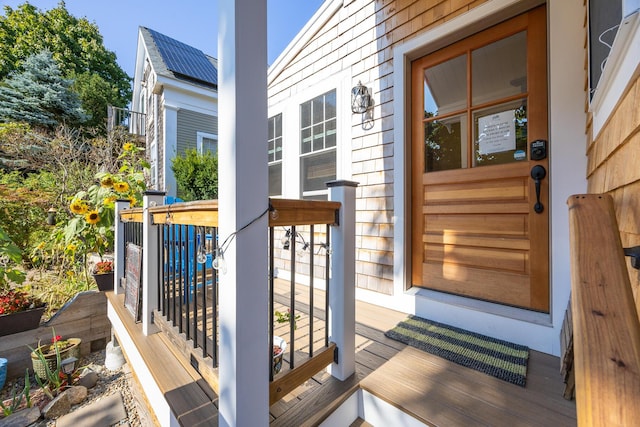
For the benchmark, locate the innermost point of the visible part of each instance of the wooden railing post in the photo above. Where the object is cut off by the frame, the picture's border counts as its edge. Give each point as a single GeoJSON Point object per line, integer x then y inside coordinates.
{"type": "Point", "coordinates": [118, 245]}
{"type": "Point", "coordinates": [606, 330]}
{"type": "Point", "coordinates": [149, 261]}
{"type": "Point", "coordinates": [342, 294]}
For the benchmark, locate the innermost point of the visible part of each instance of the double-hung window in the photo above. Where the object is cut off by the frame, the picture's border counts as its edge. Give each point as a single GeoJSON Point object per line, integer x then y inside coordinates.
{"type": "Point", "coordinates": [317, 145]}
{"type": "Point", "coordinates": [275, 155]}
{"type": "Point", "coordinates": [207, 142]}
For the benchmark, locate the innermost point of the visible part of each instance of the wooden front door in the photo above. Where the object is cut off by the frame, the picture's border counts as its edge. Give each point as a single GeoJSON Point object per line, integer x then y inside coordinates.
{"type": "Point", "coordinates": [479, 134]}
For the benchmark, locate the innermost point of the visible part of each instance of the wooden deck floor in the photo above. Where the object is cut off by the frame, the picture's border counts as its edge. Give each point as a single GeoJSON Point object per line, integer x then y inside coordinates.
{"type": "Point", "coordinates": [433, 390]}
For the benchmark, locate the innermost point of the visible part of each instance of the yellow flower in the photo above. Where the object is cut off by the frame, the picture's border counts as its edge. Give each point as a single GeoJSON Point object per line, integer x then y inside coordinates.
{"type": "Point", "coordinates": [128, 146]}
{"type": "Point", "coordinates": [92, 217]}
{"type": "Point", "coordinates": [107, 181]}
{"type": "Point", "coordinates": [132, 201]}
{"type": "Point", "coordinates": [71, 247]}
{"type": "Point", "coordinates": [109, 200]}
{"type": "Point", "coordinates": [40, 246]}
{"type": "Point", "coordinates": [121, 187]}
{"type": "Point", "coordinates": [78, 207]}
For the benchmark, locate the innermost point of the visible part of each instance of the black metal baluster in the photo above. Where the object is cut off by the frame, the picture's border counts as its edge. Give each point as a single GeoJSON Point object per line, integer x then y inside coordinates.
{"type": "Point", "coordinates": [172, 272]}
{"type": "Point", "coordinates": [292, 298]}
{"type": "Point", "coordinates": [205, 319]}
{"type": "Point", "coordinates": [311, 274]}
{"type": "Point", "coordinates": [271, 292]}
{"type": "Point", "coordinates": [214, 303]}
{"type": "Point", "coordinates": [165, 276]}
{"type": "Point", "coordinates": [186, 286]}
{"type": "Point", "coordinates": [326, 294]}
{"type": "Point", "coordinates": [180, 276]}
{"type": "Point", "coordinates": [194, 283]}
{"type": "Point", "coordinates": [159, 267]}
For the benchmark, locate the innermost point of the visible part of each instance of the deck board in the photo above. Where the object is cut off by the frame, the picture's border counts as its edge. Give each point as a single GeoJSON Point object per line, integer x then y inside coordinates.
{"type": "Point", "coordinates": [436, 391]}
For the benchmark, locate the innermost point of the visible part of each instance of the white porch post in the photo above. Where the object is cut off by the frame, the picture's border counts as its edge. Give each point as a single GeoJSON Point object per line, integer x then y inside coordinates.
{"type": "Point", "coordinates": [242, 175]}
{"type": "Point", "coordinates": [118, 246]}
{"type": "Point", "coordinates": [149, 262]}
{"type": "Point", "coordinates": [342, 290]}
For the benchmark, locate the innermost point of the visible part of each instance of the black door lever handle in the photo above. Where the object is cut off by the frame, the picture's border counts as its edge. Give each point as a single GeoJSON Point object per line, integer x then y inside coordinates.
{"type": "Point", "coordinates": [538, 173]}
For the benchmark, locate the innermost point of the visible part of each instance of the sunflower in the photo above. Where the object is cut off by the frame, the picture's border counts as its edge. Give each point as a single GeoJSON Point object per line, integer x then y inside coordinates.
{"type": "Point", "coordinates": [92, 217]}
{"type": "Point", "coordinates": [109, 200]}
{"type": "Point", "coordinates": [128, 146]}
{"type": "Point", "coordinates": [132, 201]}
{"type": "Point", "coordinates": [78, 207]}
{"type": "Point", "coordinates": [107, 181]}
{"type": "Point", "coordinates": [121, 187]}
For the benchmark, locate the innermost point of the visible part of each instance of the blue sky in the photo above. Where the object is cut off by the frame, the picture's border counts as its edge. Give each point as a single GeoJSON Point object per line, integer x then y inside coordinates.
{"type": "Point", "coordinates": [194, 22]}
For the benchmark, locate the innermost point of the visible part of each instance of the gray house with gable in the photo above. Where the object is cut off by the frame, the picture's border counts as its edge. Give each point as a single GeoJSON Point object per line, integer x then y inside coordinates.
{"type": "Point", "coordinates": [176, 87]}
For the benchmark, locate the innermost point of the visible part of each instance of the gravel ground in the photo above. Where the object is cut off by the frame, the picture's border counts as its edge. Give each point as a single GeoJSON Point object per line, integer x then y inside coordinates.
{"type": "Point", "coordinates": [109, 382]}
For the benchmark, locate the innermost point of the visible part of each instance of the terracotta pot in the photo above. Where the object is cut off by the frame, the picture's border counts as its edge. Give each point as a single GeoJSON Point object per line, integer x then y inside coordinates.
{"type": "Point", "coordinates": [20, 321]}
{"type": "Point", "coordinates": [104, 281]}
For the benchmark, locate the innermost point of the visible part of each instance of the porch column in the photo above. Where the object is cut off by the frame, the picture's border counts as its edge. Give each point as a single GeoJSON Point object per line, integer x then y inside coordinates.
{"type": "Point", "coordinates": [118, 246]}
{"type": "Point", "coordinates": [342, 281]}
{"type": "Point", "coordinates": [149, 261]}
{"type": "Point", "coordinates": [243, 197]}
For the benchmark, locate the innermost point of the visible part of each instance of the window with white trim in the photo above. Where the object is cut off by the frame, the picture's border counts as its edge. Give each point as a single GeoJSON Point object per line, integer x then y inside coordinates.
{"type": "Point", "coordinates": [317, 145]}
{"type": "Point", "coordinates": [207, 142]}
{"type": "Point", "coordinates": [604, 22]}
{"type": "Point", "coordinates": [275, 155]}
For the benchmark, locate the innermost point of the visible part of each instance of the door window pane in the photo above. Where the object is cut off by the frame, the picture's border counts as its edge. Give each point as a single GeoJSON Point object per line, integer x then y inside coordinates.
{"type": "Point", "coordinates": [499, 69]}
{"type": "Point", "coordinates": [445, 144]}
{"type": "Point", "coordinates": [445, 87]}
{"type": "Point", "coordinates": [500, 134]}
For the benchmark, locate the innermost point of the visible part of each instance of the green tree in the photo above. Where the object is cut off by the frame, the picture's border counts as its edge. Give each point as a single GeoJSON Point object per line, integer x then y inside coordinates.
{"type": "Point", "coordinates": [39, 95]}
{"type": "Point", "coordinates": [196, 175]}
{"type": "Point", "coordinates": [76, 45]}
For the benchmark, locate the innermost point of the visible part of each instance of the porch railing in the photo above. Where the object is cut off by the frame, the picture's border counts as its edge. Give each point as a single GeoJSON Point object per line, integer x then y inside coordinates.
{"type": "Point", "coordinates": [134, 121]}
{"type": "Point", "coordinates": [187, 274]}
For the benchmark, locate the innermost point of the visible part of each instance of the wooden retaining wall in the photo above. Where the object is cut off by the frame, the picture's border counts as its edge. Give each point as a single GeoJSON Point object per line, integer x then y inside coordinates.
{"type": "Point", "coordinates": [84, 317]}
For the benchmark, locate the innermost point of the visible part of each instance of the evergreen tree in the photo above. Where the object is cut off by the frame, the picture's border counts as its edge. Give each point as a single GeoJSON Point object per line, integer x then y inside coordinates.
{"type": "Point", "coordinates": [39, 95]}
{"type": "Point", "coordinates": [78, 48]}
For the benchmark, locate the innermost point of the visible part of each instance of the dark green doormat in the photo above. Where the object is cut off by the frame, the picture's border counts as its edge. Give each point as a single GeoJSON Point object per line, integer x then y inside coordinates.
{"type": "Point", "coordinates": [498, 358]}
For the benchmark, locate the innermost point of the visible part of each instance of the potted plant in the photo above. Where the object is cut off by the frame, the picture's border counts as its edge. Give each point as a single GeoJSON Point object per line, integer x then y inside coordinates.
{"type": "Point", "coordinates": [19, 311]}
{"type": "Point", "coordinates": [103, 275]}
{"type": "Point", "coordinates": [279, 347]}
{"type": "Point", "coordinates": [46, 358]}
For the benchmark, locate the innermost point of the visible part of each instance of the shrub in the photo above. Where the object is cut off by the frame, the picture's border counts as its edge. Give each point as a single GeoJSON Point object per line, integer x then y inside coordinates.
{"type": "Point", "coordinates": [196, 175]}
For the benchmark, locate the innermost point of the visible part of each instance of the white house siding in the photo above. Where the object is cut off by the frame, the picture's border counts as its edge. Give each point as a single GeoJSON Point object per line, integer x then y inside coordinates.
{"type": "Point", "coordinates": [357, 42]}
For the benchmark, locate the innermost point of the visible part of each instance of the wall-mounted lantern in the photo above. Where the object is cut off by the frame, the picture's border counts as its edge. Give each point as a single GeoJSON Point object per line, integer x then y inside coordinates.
{"type": "Point", "coordinates": [360, 99]}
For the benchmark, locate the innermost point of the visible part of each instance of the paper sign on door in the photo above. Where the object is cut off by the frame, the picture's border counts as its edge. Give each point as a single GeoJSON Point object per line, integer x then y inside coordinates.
{"type": "Point", "coordinates": [497, 132]}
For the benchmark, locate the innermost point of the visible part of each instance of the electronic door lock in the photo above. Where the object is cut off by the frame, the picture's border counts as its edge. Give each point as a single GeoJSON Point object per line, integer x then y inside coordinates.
{"type": "Point", "coordinates": [538, 149]}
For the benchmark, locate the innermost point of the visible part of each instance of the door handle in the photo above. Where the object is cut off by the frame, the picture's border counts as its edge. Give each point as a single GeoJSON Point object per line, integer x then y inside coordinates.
{"type": "Point", "coordinates": [538, 173]}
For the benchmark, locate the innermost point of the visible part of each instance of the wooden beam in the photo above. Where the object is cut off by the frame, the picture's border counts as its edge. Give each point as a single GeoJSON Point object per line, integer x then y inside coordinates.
{"type": "Point", "coordinates": [282, 386]}
{"type": "Point", "coordinates": [605, 322]}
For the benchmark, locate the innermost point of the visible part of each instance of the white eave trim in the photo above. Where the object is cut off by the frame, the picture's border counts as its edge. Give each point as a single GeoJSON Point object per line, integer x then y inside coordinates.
{"type": "Point", "coordinates": [313, 25]}
{"type": "Point", "coordinates": [622, 67]}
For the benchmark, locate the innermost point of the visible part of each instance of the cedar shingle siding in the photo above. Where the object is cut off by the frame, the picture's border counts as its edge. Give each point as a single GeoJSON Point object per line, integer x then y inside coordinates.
{"type": "Point", "coordinates": [359, 38]}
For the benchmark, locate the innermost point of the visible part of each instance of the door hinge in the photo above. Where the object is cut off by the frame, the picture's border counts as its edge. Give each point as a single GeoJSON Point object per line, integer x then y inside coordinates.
{"type": "Point", "coordinates": [335, 355]}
